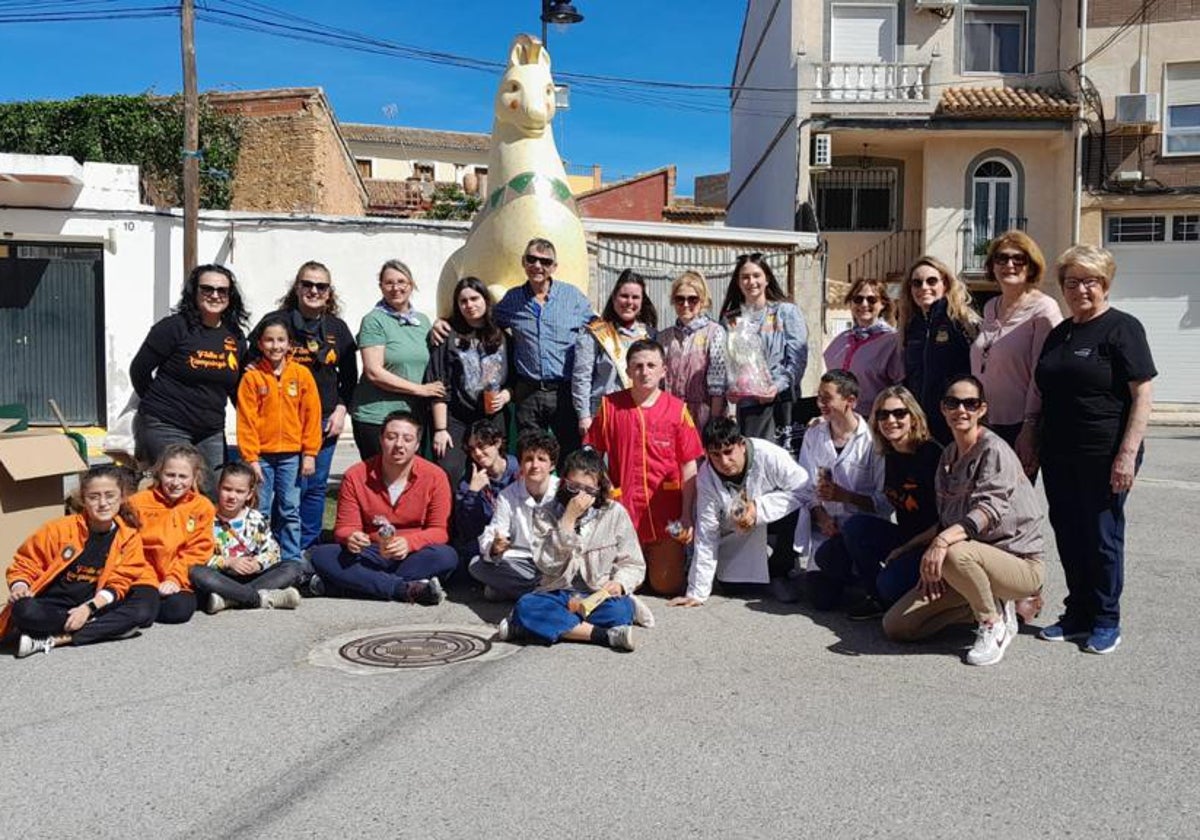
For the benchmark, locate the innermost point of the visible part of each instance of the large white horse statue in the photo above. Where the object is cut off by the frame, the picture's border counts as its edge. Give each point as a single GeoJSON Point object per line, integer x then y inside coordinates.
{"type": "Point", "coordinates": [527, 194]}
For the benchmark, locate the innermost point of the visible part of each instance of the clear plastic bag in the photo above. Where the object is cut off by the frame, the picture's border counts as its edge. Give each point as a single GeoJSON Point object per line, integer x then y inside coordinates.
{"type": "Point", "coordinates": [746, 364]}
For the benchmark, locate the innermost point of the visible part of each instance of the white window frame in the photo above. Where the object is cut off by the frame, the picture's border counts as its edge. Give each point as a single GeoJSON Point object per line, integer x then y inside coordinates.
{"type": "Point", "coordinates": [962, 59]}
{"type": "Point", "coordinates": [1167, 132]}
{"type": "Point", "coordinates": [1169, 220]}
{"type": "Point", "coordinates": [1014, 182]}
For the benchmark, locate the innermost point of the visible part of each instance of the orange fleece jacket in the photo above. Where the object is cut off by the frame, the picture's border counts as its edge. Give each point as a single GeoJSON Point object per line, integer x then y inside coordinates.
{"type": "Point", "coordinates": [43, 556]}
{"type": "Point", "coordinates": [278, 414]}
{"type": "Point", "coordinates": [175, 536]}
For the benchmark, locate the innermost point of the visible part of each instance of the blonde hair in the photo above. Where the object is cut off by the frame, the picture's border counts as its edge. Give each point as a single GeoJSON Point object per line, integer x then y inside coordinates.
{"type": "Point", "coordinates": [1099, 261]}
{"type": "Point", "coordinates": [697, 281]}
{"type": "Point", "coordinates": [1022, 241]}
{"type": "Point", "coordinates": [958, 299]}
{"type": "Point", "coordinates": [186, 452]}
{"type": "Point", "coordinates": [397, 265]}
{"type": "Point", "coordinates": [861, 283]}
{"type": "Point", "coordinates": [918, 431]}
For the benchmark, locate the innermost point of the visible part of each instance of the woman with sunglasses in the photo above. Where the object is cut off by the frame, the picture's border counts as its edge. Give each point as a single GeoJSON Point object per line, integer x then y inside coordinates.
{"type": "Point", "coordinates": [868, 348]}
{"type": "Point", "coordinates": [695, 348]}
{"type": "Point", "coordinates": [755, 295]}
{"type": "Point", "coordinates": [473, 365]}
{"type": "Point", "coordinates": [987, 551]}
{"type": "Point", "coordinates": [188, 367]}
{"type": "Point", "coordinates": [600, 350]}
{"type": "Point", "coordinates": [1005, 353]}
{"type": "Point", "coordinates": [935, 326]}
{"type": "Point", "coordinates": [1094, 375]}
{"type": "Point", "coordinates": [881, 555]}
{"type": "Point", "coordinates": [324, 344]}
{"type": "Point", "coordinates": [392, 340]}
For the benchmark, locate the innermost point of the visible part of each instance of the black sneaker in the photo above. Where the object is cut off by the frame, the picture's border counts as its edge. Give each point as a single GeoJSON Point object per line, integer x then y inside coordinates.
{"type": "Point", "coordinates": [866, 610]}
{"type": "Point", "coordinates": [428, 593]}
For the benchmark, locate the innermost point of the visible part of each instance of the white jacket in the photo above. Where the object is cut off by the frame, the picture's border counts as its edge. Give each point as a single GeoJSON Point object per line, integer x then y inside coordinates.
{"type": "Point", "coordinates": [513, 519]}
{"type": "Point", "coordinates": [774, 482]}
{"type": "Point", "coordinates": [858, 468]}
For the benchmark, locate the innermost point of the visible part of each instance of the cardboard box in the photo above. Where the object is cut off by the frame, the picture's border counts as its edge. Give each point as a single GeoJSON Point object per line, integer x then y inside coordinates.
{"type": "Point", "coordinates": [32, 466]}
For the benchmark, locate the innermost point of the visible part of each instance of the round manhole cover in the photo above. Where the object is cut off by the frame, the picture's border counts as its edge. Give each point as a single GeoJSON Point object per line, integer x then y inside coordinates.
{"type": "Point", "coordinates": [409, 647]}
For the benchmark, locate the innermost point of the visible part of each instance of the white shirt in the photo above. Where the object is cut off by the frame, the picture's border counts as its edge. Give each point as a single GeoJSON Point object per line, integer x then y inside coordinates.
{"type": "Point", "coordinates": [774, 482]}
{"type": "Point", "coordinates": [858, 468]}
{"type": "Point", "coordinates": [513, 519]}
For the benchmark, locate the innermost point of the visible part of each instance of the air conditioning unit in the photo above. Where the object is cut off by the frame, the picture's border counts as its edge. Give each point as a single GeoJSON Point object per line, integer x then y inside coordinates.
{"type": "Point", "coordinates": [1137, 109]}
{"type": "Point", "coordinates": [935, 4]}
{"type": "Point", "coordinates": [822, 152]}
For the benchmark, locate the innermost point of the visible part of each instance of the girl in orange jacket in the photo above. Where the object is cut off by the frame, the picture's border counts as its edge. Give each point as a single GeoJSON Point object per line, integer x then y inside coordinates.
{"type": "Point", "coordinates": [177, 528]}
{"type": "Point", "coordinates": [82, 578]}
{"type": "Point", "coordinates": [279, 430]}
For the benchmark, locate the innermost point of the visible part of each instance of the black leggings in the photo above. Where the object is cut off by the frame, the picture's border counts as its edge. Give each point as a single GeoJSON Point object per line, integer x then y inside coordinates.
{"type": "Point", "coordinates": [43, 617]}
{"type": "Point", "coordinates": [242, 590]}
{"type": "Point", "coordinates": [177, 608]}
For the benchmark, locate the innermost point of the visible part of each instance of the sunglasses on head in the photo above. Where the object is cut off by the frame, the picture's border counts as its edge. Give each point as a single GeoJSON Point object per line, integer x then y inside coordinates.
{"type": "Point", "coordinates": [925, 281]}
{"type": "Point", "coordinates": [869, 300]}
{"type": "Point", "coordinates": [689, 300]}
{"type": "Point", "coordinates": [310, 286]}
{"type": "Point", "coordinates": [954, 403]}
{"type": "Point", "coordinates": [213, 291]}
{"type": "Point", "coordinates": [1017, 260]}
{"type": "Point", "coordinates": [534, 259]}
{"type": "Point", "coordinates": [882, 414]}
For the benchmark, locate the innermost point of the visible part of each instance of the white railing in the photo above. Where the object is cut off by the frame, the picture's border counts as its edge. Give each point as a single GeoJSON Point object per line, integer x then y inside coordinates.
{"type": "Point", "coordinates": [840, 81]}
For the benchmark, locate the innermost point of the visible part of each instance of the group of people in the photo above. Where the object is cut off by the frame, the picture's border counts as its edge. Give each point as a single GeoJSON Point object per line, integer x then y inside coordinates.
{"type": "Point", "coordinates": [641, 463]}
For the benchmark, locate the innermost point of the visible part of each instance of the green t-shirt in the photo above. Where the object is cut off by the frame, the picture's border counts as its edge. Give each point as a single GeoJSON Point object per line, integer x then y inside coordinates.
{"type": "Point", "coordinates": [405, 353]}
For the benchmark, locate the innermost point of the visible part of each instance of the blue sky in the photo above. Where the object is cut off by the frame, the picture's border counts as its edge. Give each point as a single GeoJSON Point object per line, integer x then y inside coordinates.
{"type": "Point", "coordinates": [626, 130]}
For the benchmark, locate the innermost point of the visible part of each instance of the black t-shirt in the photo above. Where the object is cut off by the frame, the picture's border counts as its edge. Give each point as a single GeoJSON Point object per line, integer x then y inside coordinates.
{"type": "Point", "coordinates": [459, 369]}
{"type": "Point", "coordinates": [184, 374]}
{"type": "Point", "coordinates": [1084, 375]}
{"type": "Point", "coordinates": [908, 485]}
{"type": "Point", "coordinates": [326, 347]}
{"type": "Point", "coordinates": [77, 582]}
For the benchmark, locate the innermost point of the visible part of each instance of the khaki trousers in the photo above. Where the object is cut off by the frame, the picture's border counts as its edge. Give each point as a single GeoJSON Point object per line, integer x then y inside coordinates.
{"type": "Point", "coordinates": [977, 574]}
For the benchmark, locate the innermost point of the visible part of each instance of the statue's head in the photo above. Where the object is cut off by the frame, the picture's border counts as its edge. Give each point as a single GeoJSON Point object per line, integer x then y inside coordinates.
{"type": "Point", "coordinates": [526, 95]}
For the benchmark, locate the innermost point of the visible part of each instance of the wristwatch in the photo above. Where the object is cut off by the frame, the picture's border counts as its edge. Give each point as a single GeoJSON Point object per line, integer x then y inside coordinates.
{"type": "Point", "coordinates": [92, 608]}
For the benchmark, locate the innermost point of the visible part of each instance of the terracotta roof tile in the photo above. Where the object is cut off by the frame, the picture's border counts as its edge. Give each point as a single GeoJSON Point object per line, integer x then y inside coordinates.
{"type": "Point", "coordinates": [692, 212]}
{"type": "Point", "coordinates": [417, 138]}
{"type": "Point", "coordinates": [1006, 103]}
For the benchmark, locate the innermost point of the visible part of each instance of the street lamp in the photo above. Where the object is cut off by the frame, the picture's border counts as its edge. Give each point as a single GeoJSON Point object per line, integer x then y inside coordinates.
{"type": "Point", "coordinates": [558, 11]}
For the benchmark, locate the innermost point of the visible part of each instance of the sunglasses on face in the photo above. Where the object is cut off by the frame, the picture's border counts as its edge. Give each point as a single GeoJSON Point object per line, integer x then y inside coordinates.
{"type": "Point", "coordinates": [219, 292]}
{"type": "Point", "coordinates": [869, 300]}
{"type": "Point", "coordinates": [533, 259]}
{"type": "Point", "coordinates": [573, 487]}
{"type": "Point", "coordinates": [955, 403]}
{"type": "Point", "coordinates": [931, 282]}
{"type": "Point", "coordinates": [1016, 260]}
{"type": "Point", "coordinates": [895, 413]}
{"type": "Point", "coordinates": [309, 286]}
{"type": "Point", "coordinates": [687, 300]}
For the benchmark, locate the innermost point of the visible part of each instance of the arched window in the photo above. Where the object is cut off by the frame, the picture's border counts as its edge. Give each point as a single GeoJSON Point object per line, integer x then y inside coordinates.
{"type": "Point", "coordinates": [994, 187]}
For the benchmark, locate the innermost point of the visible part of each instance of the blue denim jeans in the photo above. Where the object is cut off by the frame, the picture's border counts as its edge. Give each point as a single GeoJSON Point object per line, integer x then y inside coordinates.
{"type": "Point", "coordinates": [312, 495]}
{"type": "Point", "coordinates": [370, 575]}
{"type": "Point", "coordinates": [856, 555]}
{"type": "Point", "coordinates": [544, 615]}
{"type": "Point", "coordinates": [279, 501]}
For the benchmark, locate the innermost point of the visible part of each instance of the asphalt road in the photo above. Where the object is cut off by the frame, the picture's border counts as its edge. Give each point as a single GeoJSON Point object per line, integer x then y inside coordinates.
{"type": "Point", "coordinates": [740, 719]}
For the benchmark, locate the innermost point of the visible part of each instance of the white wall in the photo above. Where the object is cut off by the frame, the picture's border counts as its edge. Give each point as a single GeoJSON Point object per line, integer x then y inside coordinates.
{"type": "Point", "coordinates": [767, 197]}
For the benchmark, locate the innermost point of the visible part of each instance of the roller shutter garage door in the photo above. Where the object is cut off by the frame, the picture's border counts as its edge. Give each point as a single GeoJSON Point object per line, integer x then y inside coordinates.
{"type": "Point", "coordinates": [1158, 282]}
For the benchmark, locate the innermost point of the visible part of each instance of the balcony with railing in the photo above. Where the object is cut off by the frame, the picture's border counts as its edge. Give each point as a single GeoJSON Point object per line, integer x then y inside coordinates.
{"type": "Point", "coordinates": [888, 259]}
{"type": "Point", "coordinates": [977, 235]}
{"type": "Point", "coordinates": [864, 83]}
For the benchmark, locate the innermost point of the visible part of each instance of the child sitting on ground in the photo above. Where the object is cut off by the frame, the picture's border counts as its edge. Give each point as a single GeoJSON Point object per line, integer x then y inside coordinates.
{"type": "Point", "coordinates": [245, 570]}
{"type": "Point", "coordinates": [507, 545]}
{"type": "Point", "coordinates": [489, 471]}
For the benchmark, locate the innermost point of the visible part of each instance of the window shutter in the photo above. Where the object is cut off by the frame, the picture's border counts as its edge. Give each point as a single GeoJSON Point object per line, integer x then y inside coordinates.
{"type": "Point", "coordinates": [1183, 83]}
{"type": "Point", "coordinates": [863, 33]}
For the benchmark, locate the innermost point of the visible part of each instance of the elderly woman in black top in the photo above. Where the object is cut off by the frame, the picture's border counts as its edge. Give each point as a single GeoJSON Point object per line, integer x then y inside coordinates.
{"type": "Point", "coordinates": [188, 367]}
{"type": "Point", "coordinates": [324, 344]}
{"type": "Point", "coordinates": [473, 365]}
{"type": "Point", "coordinates": [1094, 374]}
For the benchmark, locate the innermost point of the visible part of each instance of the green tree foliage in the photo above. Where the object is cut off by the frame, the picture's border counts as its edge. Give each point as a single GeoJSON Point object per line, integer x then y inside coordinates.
{"type": "Point", "coordinates": [143, 130]}
{"type": "Point", "coordinates": [450, 202]}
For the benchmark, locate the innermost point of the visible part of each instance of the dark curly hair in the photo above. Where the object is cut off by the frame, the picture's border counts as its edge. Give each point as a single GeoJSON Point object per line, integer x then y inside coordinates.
{"type": "Point", "coordinates": [235, 317]}
{"type": "Point", "coordinates": [588, 460]}
{"type": "Point", "coordinates": [291, 301]}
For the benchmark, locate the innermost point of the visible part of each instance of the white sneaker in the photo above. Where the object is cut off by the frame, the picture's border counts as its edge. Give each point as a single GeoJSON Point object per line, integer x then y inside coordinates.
{"type": "Point", "coordinates": [279, 599]}
{"type": "Point", "coordinates": [991, 640]}
{"type": "Point", "coordinates": [215, 604]}
{"type": "Point", "coordinates": [621, 638]}
{"type": "Point", "coordinates": [503, 630]}
{"type": "Point", "coordinates": [1009, 610]}
{"type": "Point", "coordinates": [27, 646]}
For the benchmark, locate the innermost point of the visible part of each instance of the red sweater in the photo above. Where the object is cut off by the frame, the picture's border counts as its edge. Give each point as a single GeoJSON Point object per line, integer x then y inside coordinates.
{"type": "Point", "coordinates": [421, 515]}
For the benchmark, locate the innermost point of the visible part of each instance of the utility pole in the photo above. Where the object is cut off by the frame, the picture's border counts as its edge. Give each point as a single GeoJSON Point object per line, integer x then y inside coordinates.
{"type": "Point", "coordinates": [191, 134]}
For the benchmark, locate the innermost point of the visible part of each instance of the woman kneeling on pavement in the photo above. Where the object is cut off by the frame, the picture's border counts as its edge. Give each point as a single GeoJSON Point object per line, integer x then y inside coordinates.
{"type": "Point", "coordinates": [988, 552]}
{"type": "Point", "coordinates": [82, 578]}
{"type": "Point", "coordinates": [590, 562]}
